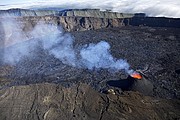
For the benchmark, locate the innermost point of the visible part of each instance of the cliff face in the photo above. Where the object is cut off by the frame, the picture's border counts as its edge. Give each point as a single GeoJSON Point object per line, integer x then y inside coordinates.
{"type": "Point", "coordinates": [69, 12]}
{"type": "Point", "coordinates": [88, 23]}
{"type": "Point", "coordinates": [87, 19]}
{"type": "Point", "coordinates": [95, 13]}
{"type": "Point", "coordinates": [70, 23]}
{"type": "Point", "coordinates": [153, 22]}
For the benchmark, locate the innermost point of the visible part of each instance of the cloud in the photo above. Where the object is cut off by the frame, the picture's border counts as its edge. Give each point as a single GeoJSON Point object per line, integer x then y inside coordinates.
{"type": "Point", "coordinates": [166, 8]}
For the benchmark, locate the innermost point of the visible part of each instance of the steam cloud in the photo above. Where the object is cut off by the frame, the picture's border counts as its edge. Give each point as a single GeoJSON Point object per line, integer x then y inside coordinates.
{"type": "Point", "coordinates": [14, 42]}
{"type": "Point", "coordinates": [168, 8]}
{"type": "Point", "coordinates": [60, 45]}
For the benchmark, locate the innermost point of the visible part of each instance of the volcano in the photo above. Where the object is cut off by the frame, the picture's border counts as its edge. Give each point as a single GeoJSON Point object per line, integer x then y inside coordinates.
{"type": "Point", "coordinates": [94, 55]}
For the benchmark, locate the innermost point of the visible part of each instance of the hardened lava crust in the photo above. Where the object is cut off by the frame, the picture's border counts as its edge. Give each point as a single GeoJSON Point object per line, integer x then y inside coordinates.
{"type": "Point", "coordinates": [157, 48]}
{"type": "Point", "coordinates": [42, 87]}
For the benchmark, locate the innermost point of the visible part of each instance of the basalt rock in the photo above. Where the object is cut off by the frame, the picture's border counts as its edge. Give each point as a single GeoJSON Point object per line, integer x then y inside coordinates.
{"type": "Point", "coordinates": [141, 46]}
{"type": "Point", "coordinates": [94, 13]}
{"type": "Point", "coordinates": [69, 23]}
{"type": "Point", "coordinates": [45, 88]}
{"type": "Point", "coordinates": [87, 19]}
{"type": "Point", "coordinates": [52, 102]}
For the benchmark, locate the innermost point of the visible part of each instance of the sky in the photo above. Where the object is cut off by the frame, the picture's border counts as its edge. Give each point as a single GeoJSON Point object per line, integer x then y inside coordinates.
{"type": "Point", "coordinates": [158, 8]}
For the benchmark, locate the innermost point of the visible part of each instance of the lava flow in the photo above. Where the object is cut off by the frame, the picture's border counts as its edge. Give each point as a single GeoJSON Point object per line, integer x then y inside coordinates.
{"type": "Point", "coordinates": [136, 75]}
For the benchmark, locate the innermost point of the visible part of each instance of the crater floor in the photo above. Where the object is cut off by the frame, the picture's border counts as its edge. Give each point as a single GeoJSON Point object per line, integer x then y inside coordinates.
{"type": "Point", "coordinates": [158, 48]}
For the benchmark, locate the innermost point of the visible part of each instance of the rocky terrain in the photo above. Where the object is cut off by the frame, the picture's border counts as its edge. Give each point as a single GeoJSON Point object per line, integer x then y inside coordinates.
{"type": "Point", "coordinates": [89, 19]}
{"type": "Point", "coordinates": [80, 102]}
{"type": "Point", "coordinates": [42, 87]}
{"type": "Point", "coordinates": [67, 12]}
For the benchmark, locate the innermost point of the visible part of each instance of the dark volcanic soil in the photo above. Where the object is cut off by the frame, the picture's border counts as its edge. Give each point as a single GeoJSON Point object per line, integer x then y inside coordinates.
{"type": "Point", "coordinates": [158, 48]}
{"type": "Point", "coordinates": [73, 98]}
{"type": "Point", "coordinates": [140, 46]}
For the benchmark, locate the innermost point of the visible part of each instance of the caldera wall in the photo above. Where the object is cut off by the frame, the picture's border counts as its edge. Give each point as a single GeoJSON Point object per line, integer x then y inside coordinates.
{"type": "Point", "coordinates": [86, 19]}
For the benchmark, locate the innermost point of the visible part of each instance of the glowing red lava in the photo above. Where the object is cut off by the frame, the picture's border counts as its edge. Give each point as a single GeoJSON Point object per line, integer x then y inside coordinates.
{"type": "Point", "coordinates": [136, 75]}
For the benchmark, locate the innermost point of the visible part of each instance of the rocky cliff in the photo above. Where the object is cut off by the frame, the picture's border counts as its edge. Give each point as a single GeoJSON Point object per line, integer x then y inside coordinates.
{"type": "Point", "coordinates": [87, 19]}
{"type": "Point", "coordinates": [72, 23]}
{"type": "Point", "coordinates": [153, 22]}
{"type": "Point", "coordinates": [68, 12]}
{"type": "Point", "coordinates": [94, 13]}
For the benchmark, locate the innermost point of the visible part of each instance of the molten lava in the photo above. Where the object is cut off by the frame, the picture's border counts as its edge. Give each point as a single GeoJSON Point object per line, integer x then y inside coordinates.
{"type": "Point", "coordinates": [136, 75]}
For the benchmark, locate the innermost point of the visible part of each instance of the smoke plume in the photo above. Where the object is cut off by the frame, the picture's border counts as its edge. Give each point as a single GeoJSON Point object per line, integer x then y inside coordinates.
{"type": "Point", "coordinates": [20, 44]}
{"type": "Point", "coordinates": [14, 45]}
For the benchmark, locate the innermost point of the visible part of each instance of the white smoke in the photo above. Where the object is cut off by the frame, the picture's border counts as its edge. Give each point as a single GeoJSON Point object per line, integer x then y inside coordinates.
{"type": "Point", "coordinates": [163, 8]}
{"type": "Point", "coordinates": [60, 45]}
{"type": "Point", "coordinates": [98, 56]}
{"type": "Point", "coordinates": [56, 42]}
{"type": "Point", "coordinates": [14, 42]}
